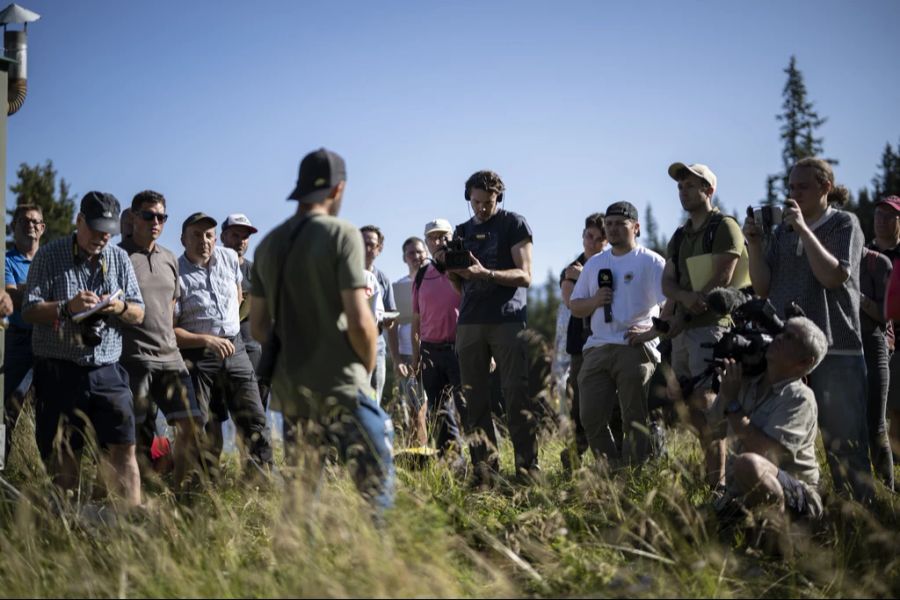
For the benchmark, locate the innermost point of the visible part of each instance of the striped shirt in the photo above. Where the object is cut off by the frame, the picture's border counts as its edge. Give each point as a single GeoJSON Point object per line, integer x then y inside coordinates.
{"type": "Point", "coordinates": [208, 303]}
{"type": "Point", "coordinates": [836, 311]}
{"type": "Point", "coordinates": [58, 272]}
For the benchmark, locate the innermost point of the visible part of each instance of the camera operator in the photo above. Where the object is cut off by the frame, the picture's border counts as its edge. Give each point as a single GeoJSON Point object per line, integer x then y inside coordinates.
{"type": "Point", "coordinates": [692, 325]}
{"type": "Point", "coordinates": [492, 319]}
{"type": "Point", "coordinates": [771, 422]}
{"type": "Point", "coordinates": [593, 241]}
{"type": "Point", "coordinates": [78, 381]}
{"type": "Point", "coordinates": [813, 259]}
{"type": "Point", "coordinates": [435, 313]}
{"type": "Point", "coordinates": [620, 355]}
{"type": "Point", "coordinates": [28, 226]}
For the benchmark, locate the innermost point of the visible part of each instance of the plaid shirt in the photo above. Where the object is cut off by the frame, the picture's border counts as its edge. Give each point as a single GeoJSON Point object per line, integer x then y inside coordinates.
{"type": "Point", "coordinates": [59, 271]}
{"type": "Point", "coordinates": [208, 303]}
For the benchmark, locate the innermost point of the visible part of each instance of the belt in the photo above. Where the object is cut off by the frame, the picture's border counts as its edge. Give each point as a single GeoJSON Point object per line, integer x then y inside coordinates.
{"type": "Point", "coordinates": [439, 345]}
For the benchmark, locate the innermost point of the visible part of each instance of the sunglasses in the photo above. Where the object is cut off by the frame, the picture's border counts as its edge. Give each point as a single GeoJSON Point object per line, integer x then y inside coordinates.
{"type": "Point", "coordinates": [149, 215]}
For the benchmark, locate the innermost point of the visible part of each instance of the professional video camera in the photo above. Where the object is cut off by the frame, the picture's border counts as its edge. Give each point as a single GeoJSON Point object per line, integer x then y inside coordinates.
{"type": "Point", "coordinates": [755, 326]}
{"type": "Point", "coordinates": [456, 255]}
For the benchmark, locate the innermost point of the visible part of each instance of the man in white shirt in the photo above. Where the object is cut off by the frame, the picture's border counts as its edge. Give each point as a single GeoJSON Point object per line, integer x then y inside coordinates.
{"type": "Point", "coordinates": [620, 290]}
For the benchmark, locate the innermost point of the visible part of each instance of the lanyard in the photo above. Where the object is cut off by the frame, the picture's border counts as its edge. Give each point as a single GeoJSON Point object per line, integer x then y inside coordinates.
{"type": "Point", "coordinates": [85, 275]}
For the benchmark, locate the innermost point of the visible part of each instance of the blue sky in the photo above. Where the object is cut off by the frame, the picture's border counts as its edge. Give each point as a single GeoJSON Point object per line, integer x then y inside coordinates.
{"type": "Point", "coordinates": [576, 104]}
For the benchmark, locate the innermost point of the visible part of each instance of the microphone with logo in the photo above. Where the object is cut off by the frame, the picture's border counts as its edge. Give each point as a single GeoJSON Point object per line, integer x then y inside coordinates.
{"type": "Point", "coordinates": [605, 280]}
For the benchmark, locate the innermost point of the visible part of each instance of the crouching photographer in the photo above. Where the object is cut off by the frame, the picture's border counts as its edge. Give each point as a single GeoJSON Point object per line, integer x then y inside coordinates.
{"type": "Point", "coordinates": [770, 420]}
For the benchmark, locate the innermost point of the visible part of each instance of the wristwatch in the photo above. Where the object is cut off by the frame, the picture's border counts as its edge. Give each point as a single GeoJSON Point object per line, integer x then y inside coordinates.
{"type": "Point", "coordinates": [124, 309]}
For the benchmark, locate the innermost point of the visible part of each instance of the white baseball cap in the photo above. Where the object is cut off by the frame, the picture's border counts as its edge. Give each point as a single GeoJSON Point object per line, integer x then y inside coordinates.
{"type": "Point", "coordinates": [238, 220]}
{"type": "Point", "coordinates": [701, 171]}
{"type": "Point", "coordinates": [438, 225]}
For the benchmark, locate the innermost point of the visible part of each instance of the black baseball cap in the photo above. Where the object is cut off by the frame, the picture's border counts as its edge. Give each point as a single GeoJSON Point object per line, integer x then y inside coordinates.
{"type": "Point", "coordinates": [197, 217]}
{"type": "Point", "coordinates": [101, 211]}
{"type": "Point", "coordinates": [320, 171]}
{"type": "Point", "coordinates": [622, 209]}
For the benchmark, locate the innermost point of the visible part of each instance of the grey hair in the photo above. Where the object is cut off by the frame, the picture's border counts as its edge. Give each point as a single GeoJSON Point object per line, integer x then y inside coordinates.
{"type": "Point", "coordinates": [814, 342]}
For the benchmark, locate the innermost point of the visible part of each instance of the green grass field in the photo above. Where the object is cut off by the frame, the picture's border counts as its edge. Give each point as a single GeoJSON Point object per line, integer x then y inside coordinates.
{"type": "Point", "coordinates": [645, 532]}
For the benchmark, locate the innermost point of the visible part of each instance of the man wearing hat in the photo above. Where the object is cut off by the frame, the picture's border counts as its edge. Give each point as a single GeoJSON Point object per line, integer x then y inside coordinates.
{"type": "Point", "coordinates": [79, 384]}
{"type": "Point", "coordinates": [312, 315]}
{"type": "Point", "coordinates": [435, 312]}
{"type": "Point", "coordinates": [620, 290]}
{"type": "Point", "coordinates": [236, 232]}
{"type": "Point", "coordinates": [693, 326]}
{"type": "Point", "coordinates": [207, 327]}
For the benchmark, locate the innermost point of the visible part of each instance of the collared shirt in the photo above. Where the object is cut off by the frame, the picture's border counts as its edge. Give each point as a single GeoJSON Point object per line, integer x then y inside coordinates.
{"type": "Point", "coordinates": [153, 341]}
{"type": "Point", "coordinates": [787, 413]}
{"type": "Point", "coordinates": [436, 302]}
{"type": "Point", "coordinates": [17, 265]}
{"type": "Point", "coordinates": [208, 303]}
{"type": "Point", "coordinates": [59, 271]}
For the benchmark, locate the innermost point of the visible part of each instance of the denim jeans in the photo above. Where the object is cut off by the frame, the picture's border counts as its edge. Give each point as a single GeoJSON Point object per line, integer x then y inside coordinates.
{"type": "Point", "coordinates": [364, 439]}
{"type": "Point", "coordinates": [379, 374]}
{"type": "Point", "coordinates": [876, 352]}
{"type": "Point", "coordinates": [839, 383]}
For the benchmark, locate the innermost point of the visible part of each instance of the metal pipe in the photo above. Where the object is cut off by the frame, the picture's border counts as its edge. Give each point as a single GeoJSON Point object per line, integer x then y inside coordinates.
{"type": "Point", "coordinates": [14, 43]}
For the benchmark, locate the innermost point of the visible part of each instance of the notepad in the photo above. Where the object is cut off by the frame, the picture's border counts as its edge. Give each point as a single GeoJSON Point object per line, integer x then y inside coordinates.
{"type": "Point", "coordinates": [78, 317]}
{"type": "Point", "coordinates": [700, 269]}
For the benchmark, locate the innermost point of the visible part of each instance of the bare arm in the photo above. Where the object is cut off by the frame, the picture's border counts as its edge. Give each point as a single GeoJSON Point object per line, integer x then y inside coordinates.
{"type": "Point", "coordinates": [260, 321]}
{"type": "Point", "coordinates": [827, 269]}
{"type": "Point", "coordinates": [42, 313]}
{"type": "Point", "coordinates": [754, 440]}
{"type": "Point", "coordinates": [361, 326]}
{"type": "Point", "coordinates": [520, 276]}
{"type": "Point", "coordinates": [760, 274]}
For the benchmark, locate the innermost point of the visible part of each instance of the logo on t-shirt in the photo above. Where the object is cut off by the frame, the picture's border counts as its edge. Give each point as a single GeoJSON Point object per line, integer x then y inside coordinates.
{"type": "Point", "coordinates": [629, 276]}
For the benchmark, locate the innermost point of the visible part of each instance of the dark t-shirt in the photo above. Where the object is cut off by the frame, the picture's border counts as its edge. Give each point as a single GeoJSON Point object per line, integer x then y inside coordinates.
{"type": "Point", "coordinates": [484, 301]}
{"type": "Point", "coordinates": [576, 335]}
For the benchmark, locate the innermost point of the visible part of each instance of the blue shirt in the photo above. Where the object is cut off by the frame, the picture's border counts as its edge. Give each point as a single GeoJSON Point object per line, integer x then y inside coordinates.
{"type": "Point", "coordinates": [17, 265]}
{"type": "Point", "coordinates": [59, 271]}
{"type": "Point", "coordinates": [208, 303]}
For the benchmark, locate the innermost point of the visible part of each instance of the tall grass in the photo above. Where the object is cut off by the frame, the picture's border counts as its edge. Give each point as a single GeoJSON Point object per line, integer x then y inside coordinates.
{"type": "Point", "coordinates": [636, 532]}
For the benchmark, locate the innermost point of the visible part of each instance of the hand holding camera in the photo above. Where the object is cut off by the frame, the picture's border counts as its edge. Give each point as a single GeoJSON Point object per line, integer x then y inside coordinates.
{"type": "Point", "coordinates": [792, 215]}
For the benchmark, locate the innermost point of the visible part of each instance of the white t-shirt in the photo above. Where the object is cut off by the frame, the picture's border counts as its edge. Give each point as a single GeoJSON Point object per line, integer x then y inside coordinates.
{"type": "Point", "coordinates": [375, 296]}
{"type": "Point", "coordinates": [637, 294]}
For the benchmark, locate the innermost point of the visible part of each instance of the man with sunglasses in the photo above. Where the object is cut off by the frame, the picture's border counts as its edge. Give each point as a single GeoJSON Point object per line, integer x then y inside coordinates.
{"type": "Point", "coordinates": [28, 227]}
{"type": "Point", "coordinates": [158, 376]}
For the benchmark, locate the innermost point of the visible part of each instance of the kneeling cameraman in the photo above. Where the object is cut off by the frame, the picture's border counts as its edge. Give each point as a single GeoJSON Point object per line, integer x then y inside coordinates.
{"type": "Point", "coordinates": [771, 422]}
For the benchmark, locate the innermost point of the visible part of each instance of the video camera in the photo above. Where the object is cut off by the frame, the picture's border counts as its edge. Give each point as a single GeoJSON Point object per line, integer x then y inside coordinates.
{"type": "Point", "coordinates": [756, 324]}
{"type": "Point", "coordinates": [456, 255]}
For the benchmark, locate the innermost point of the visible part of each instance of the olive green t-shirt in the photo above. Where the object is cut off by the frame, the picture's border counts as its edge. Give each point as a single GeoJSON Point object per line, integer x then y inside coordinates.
{"type": "Point", "coordinates": [728, 239]}
{"type": "Point", "coordinates": [317, 364]}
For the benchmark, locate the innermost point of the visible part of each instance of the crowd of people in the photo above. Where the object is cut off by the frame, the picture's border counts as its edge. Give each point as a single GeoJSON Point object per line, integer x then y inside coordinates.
{"type": "Point", "coordinates": [105, 336]}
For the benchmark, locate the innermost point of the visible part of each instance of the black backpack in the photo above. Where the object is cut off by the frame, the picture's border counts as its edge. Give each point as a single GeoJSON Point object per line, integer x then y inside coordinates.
{"type": "Point", "coordinates": [709, 235]}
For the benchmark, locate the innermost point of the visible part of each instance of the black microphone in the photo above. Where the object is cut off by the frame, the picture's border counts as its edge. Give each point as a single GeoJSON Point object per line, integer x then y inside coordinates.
{"type": "Point", "coordinates": [724, 301]}
{"type": "Point", "coordinates": [604, 280]}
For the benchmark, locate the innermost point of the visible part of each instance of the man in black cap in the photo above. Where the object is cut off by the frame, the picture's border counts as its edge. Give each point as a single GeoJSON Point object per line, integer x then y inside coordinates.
{"type": "Point", "coordinates": [620, 290]}
{"type": "Point", "coordinates": [308, 278]}
{"type": "Point", "coordinates": [208, 330]}
{"type": "Point", "coordinates": [79, 292]}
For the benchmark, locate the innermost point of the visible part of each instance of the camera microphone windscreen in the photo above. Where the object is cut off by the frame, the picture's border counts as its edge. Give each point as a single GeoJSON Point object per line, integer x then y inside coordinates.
{"type": "Point", "coordinates": [724, 301]}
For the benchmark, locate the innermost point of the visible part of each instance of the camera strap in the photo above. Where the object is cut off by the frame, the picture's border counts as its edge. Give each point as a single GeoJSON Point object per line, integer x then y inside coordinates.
{"type": "Point", "coordinates": [278, 291]}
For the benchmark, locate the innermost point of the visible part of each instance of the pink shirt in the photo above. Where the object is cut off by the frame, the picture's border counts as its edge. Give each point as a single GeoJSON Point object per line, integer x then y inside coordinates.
{"type": "Point", "coordinates": [437, 304]}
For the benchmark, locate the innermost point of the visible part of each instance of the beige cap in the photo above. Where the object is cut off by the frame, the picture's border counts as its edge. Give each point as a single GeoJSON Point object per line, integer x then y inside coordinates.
{"type": "Point", "coordinates": [438, 225]}
{"type": "Point", "coordinates": [701, 171]}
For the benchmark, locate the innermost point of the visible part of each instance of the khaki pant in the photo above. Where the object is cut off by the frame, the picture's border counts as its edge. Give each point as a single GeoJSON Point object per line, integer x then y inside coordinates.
{"type": "Point", "coordinates": [616, 373]}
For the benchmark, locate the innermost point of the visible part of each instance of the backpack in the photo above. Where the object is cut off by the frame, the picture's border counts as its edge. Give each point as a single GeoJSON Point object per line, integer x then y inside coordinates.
{"type": "Point", "coordinates": [709, 235]}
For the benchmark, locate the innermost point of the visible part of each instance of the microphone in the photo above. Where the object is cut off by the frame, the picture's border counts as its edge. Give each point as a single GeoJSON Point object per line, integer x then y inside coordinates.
{"type": "Point", "coordinates": [604, 280]}
{"type": "Point", "coordinates": [724, 301]}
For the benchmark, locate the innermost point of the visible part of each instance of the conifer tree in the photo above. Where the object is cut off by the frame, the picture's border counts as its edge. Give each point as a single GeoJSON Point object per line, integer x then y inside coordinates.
{"type": "Point", "coordinates": [37, 185]}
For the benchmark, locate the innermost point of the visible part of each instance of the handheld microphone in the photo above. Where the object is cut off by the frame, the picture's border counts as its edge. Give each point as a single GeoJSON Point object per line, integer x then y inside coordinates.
{"type": "Point", "coordinates": [605, 280]}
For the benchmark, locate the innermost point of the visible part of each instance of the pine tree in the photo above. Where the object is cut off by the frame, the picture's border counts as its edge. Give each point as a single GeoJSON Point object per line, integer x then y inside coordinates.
{"type": "Point", "coordinates": [799, 124]}
{"type": "Point", "coordinates": [37, 185]}
{"type": "Point", "coordinates": [654, 241]}
{"type": "Point", "coordinates": [864, 209]}
{"type": "Point", "coordinates": [887, 181]}
{"type": "Point", "coordinates": [543, 305]}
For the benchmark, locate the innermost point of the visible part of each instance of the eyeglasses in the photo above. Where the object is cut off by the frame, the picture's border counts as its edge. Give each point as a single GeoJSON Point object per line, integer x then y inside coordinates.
{"type": "Point", "coordinates": [34, 222]}
{"type": "Point", "coordinates": [149, 215]}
